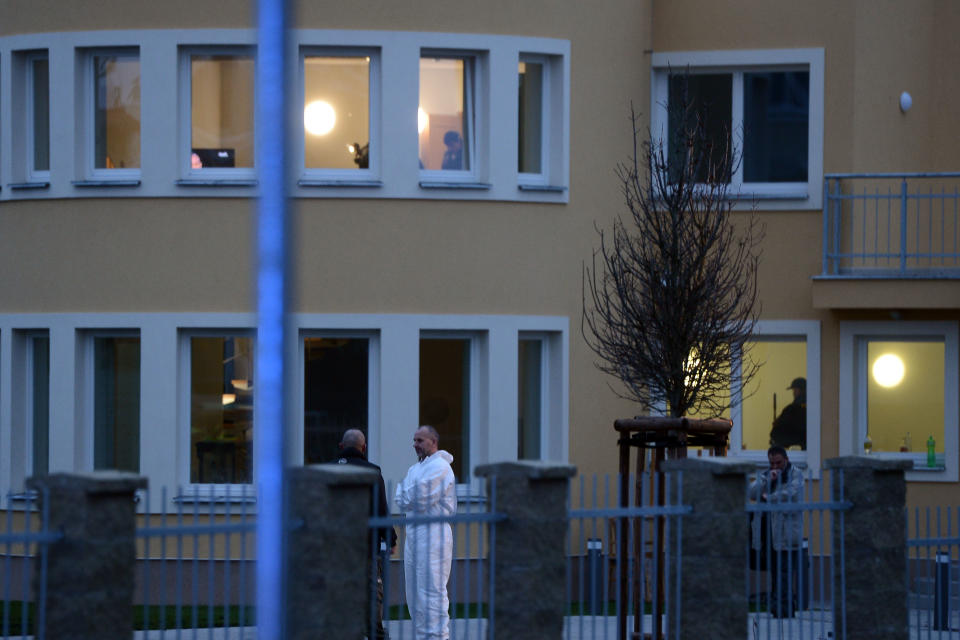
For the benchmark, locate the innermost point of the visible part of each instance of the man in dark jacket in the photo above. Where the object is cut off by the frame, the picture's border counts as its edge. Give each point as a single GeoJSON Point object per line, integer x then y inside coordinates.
{"type": "Point", "coordinates": [790, 427]}
{"type": "Point", "coordinates": [353, 450]}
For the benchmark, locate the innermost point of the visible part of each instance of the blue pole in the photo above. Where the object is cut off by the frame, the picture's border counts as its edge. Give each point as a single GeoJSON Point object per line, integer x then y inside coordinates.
{"type": "Point", "coordinates": [273, 296]}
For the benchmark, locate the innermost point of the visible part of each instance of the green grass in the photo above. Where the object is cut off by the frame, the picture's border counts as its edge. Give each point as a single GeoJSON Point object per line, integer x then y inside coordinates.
{"type": "Point", "coordinates": [154, 617]}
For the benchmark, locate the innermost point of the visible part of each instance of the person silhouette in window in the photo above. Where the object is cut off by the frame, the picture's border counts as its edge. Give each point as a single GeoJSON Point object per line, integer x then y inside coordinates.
{"type": "Point", "coordinates": [453, 156]}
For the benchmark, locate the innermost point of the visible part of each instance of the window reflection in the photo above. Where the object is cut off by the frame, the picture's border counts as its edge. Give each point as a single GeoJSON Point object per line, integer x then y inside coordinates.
{"type": "Point", "coordinates": [444, 114]}
{"type": "Point", "coordinates": [445, 396]}
{"type": "Point", "coordinates": [221, 95]}
{"type": "Point", "coordinates": [530, 390]}
{"type": "Point", "coordinates": [39, 70]}
{"type": "Point", "coordinates": [221, 409]}
{"type": "Point", "coordinates": [336, 112]}
{"type": "Point", "coordinates": [530, 99]}
{"type": "Point", "coordinates": [116, 112]}
{"type": "Point", "coordinates": [336, 391]}
{"type": "Point", "coordinates": [116, 403]}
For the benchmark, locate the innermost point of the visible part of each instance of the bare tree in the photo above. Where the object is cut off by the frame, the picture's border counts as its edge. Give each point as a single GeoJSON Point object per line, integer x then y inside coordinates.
{"type": "Point", "coordinates": [670, 301]}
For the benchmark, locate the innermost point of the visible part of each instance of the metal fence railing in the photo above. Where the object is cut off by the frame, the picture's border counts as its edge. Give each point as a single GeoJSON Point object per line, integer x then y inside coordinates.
{"type": "Point", "coordinates": [933, 572]}
{"type": "Point", "coordinates": [891, 224]}
{"type": "Point", "coordinates": [792, 584]}
{"type": "Point", "coordinates": [195, 569]}
{"type": "Point", "coordinates": [471, 586]}
{"type": "Point", "coordinates": [24, 538]}
{"type": "Point", "coordinates": [623, 568]}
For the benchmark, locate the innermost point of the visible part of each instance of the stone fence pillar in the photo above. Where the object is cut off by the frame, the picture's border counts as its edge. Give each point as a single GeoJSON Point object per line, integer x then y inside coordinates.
{"type": "Point", "coordinates": [870, 546]}
{"type": "Point", "coordinates": [90, 574]}
{"type": "Point", "coordinates": [329, 561]}
{"type": "Point", "coordinates": [713, 541]}
{"type": "Point", "coordinates": [530, 559]}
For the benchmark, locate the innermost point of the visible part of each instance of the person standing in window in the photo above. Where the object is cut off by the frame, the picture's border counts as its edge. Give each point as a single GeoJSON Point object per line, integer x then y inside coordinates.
{"type": "Point", "coordinates": [453, 156]}
{"type": "Point", "coordinates": [429, 489]}
{"type": "Point", "coordinates": [790, 427]}
{"type": "Point", "coordinates": [353, 450]}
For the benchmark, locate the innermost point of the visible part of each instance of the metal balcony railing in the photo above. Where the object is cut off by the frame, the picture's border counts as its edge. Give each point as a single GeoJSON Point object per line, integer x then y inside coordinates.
{"type": "Point", "coordinates": [899, 225]}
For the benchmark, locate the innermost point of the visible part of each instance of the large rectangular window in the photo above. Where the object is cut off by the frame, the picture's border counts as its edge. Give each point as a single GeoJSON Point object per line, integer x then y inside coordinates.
{"type": "Point", "coordinates": [445, 116]}
{"type": "Point", "coordinates": [221, 87]}
{"type": "Point", "coordinates": [221, 409]}
{"type": "Point", "coordinates": [336, 111]}
{"type": "Point", "coordinates": [765, 106]}
{"type": "Point", "coordinates": [336, 393]}
{"type": "Point", "coordinates": [445, 396]}
{"type": "Point", "coordinates": [38, 113]}
{"type": "Point", "coordinates": [775, 407]}
{"type": "Point", "coordinates": [116, 403]}
{"type": "Point", "coordinates": [905, 396]}
{"type": "Point", "coordinates": [116, 109]}
{"type": "Point", "coordinates": [898, 394]}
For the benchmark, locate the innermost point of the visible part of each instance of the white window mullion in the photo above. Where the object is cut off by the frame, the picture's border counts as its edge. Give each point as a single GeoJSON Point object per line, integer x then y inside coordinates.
{"type": "Point", "coordinates": [737, 133]}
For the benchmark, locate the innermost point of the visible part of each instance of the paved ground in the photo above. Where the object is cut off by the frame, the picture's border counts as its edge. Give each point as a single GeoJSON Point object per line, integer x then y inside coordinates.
{"type": "Point", "coordinates": [808, 625]}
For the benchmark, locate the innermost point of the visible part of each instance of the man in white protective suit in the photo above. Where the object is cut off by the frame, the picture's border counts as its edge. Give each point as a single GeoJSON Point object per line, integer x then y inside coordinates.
{"type": "Point", "coordinates": [428, 490]}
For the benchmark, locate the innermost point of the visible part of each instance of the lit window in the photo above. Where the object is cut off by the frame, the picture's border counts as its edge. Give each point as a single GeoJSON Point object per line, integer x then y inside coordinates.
{"type": "Point", "coordinates": [336, 111]}
{"type": "Point", "coordinates": [445, 396]}
{"type": "Point", "coordinates": [898, 394]}
{"type": "Point", "coordinates": [775, 409]}
{"type": "Point", "coordinates": [221, 409]}
{"type": "Point", "coordinates": [445, 114]}
{"type": "Point", "coordinates": [221, 110]}
{"type": "Point", "coordinates": [116, 403]}
{"type": "Point", "coordinates": [336, 393]}
{"type": "Point", "coordinates": [116, 110]}
{"type": "Point", "coordinates": [766, 107]}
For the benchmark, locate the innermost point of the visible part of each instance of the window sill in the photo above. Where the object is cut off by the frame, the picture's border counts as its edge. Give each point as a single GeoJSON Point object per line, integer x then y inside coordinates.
{"type": "Point", "coordinates": [29, 185]}
{"type": "Point", "coordinates": [475, 186]}
{"type": "Point", "coordinates": [216, 182]}
{"type": "Point", "coordinates": [550, 188]}
{"type": "Point", "coordinates": [306, 182]}
{"type": "Point", "coordinates": [106, 183]}
{"type": "Point", "coordinates": [199, 496]}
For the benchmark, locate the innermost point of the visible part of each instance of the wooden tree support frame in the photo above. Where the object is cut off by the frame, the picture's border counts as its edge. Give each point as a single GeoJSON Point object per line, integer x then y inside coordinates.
{"type": "Point", "coordinates": [664, 438]}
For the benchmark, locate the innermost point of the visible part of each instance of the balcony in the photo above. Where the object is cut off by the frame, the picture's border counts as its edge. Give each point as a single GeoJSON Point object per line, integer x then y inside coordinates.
{"type": "Point", "coordinates": [890, 240]}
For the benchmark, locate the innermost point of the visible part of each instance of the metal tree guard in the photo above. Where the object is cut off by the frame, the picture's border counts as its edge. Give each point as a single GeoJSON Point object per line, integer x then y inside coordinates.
{"type": "Point", "coordinates": [665, 438]}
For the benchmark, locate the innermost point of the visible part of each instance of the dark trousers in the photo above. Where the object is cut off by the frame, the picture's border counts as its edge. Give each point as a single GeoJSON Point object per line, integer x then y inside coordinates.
{"type": "Point", "coordinates": [784, 568]}
{"type": "Point", "coordinates": [379, 632]}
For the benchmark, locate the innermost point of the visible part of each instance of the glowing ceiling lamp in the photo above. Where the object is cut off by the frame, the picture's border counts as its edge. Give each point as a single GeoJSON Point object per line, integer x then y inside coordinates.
{"type": "Point", "coordinates": [319, 118]}
{"type": "Point", "coordinates": [888, 370]}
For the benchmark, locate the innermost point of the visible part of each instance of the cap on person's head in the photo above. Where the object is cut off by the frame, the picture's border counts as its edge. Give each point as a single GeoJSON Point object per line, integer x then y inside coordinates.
{"type": "Point", "coordinates": [798, 383]}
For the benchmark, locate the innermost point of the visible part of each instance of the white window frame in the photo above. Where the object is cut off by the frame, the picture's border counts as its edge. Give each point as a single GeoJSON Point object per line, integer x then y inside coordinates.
{"type": "Point", "coordinates": [474, 88]}
{"type": "Point", "coordinates": [205, 490]}
{"type": "Point", "coordinates": [853, 372]}
{"type": "Point", "coordinates": [211, 176]}
{"type": "Point", "coordinates": [552, 118]}
{"type": "Point", "coordinates": [85, 385]}
{"type": "Point", "coordinates": [551, 389]}
{"type": "Point", "coordinates": [791, 195]}
{"type": "Point", "coordinates": [342, 177]}
{"type": "Point", "coordinates": [88, 100]}
{"type": "Point", "coordinates": [373, 389]}
{"type": "Point", "coordinates": [478, 426]}
{"type": "Point", "coordinates": [809, 332]}
{"type": "Point", "coordinates": [32, 173]}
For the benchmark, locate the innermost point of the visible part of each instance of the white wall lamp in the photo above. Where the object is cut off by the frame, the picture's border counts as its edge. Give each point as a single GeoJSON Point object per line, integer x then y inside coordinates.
{"type": "Point", "coordinates": [906, 101]}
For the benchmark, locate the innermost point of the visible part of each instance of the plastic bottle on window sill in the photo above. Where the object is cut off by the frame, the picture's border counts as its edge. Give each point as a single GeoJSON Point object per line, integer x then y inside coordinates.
{"type": "Point", "coordinates": [931, 452]}
{"type": "Point", "coordinates": [907, 443]}
{"type": "Point", "coordinates": [867, 444]}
